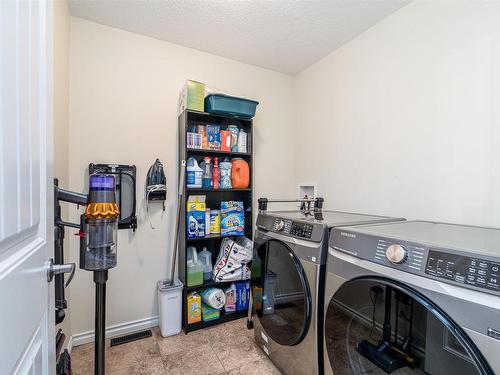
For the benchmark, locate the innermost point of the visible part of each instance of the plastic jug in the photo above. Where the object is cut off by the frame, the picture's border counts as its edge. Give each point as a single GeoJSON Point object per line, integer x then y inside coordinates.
{"type": "Point", "coordinates": [193, 174]}
{"type": "Point", "coordinates": [205, 258]}
{"type": "Point", "coordinates": [240, 174]}
{"type": "Point", "coordinates": [194, 267]}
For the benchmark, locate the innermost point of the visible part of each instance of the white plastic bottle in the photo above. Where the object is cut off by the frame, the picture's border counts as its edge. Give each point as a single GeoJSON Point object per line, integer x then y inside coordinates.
{"type": "Point", "coordinates": [242, 141]}
{"type": "Point", "coordinates": [205, 257]}
{"type": "Point", "coordinates": [193, 174]}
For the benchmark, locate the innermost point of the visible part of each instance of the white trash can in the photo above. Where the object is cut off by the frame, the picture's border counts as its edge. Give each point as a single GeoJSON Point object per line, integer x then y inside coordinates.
{"type": "Point", "coordinates": [170, 307]}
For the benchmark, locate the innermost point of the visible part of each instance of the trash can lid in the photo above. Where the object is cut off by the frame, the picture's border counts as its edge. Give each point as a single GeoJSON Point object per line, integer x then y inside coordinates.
{"type": "Point", "coordinates": [164, 285]}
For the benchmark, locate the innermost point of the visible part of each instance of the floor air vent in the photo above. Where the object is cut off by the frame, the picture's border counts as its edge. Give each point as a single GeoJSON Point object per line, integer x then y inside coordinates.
{"type": "Point", "coordinates": [131, 337]}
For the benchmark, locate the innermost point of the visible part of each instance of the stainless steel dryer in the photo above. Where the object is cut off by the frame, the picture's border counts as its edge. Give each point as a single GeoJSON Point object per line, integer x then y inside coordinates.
{"type": "Point", "coordinates": [291, 247]}
{"type": "Point", "coordinates": [413, 297]}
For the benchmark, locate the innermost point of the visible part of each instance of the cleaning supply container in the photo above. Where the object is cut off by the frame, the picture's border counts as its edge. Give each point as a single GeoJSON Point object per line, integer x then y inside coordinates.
{"type": "Point", "coordinates": [193, 174]}
{"type": "Point", "coordinates": [215, 221]}
{"type": "Point", "coordinates": [193, 301]}
{"type": "Point", "coordinates": [194, 268]}
{"type": "Point", "coordinates": [206, 177]}
{"type": "Point", "coordinates": [170, 305]}
{"type": "Point", "coordinates": [240, 174]}
{"type": "Point", "coordinates": [205, 257]}
{"type": "Point", "coordinates": [230, 105]}
{"type": "Point", "coordinates": [225, 174]}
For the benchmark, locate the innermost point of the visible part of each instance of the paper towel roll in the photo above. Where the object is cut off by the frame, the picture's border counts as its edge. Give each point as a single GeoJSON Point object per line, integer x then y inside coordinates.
{"type": "Point", "coordinates": [213, 297]}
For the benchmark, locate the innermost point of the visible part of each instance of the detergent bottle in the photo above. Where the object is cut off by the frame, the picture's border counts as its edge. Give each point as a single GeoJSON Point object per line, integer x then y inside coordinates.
{"type": "Point", "coordinates": [194, 267]}
{"type": "Point", "coordinates": [240, 174]}
{"type": "Point", "coordinates": [215, 176]}
{"type": "Point", "coordinates": [193, 174]}
{"type": "Point", "coordinates": [205, 257]}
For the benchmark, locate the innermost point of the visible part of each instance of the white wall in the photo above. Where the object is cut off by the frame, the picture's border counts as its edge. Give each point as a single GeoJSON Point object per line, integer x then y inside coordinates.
{"type": "Point", "coordinates": [61, 111]}
{"type": "Point", "coordinates": [405, 119]}
{"type": "Point", "coordinates": [123, 109]}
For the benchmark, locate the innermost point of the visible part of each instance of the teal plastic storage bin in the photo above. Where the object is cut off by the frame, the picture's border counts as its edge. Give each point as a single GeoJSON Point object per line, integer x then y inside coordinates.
{"type": "Point", "coordinates": [230, 106]}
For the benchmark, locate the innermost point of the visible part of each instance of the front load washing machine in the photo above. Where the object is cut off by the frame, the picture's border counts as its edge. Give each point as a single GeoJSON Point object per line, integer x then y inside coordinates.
{"type": "Point", "coordinates": [288, 282]}
{"type": "Point", "coordinates": [413, 297]}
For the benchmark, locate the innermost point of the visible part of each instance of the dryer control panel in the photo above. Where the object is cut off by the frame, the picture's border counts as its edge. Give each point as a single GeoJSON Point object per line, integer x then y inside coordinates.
{"type": "Point", "coordinates": [301, 230]}
{"type": "Point", "coordinates": [464, 270]}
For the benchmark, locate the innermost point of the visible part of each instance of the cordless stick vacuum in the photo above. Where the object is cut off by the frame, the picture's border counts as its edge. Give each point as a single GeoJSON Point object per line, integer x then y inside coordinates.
{"type": "Point", "coordinates": [98, 227]}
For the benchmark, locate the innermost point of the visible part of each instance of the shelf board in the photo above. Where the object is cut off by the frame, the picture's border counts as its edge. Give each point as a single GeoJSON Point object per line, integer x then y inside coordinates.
{"type": "Point", "coordinates": [222, 319]}
{"type": "Point", "coordinates": [210, 283]}
{"type": "Point", "coordinates": [206, 114]}
{"type": "Point", "coordinates": [214, 237]}
{"type": "Point", "coordinates": [205, 190]}
{"type": "Point", "coordinates": [215, 152]}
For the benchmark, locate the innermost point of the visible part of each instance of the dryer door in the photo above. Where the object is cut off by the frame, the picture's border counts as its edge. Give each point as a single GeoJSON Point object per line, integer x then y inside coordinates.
{"type": "Point", "coordinates": [285, 308]}
{"type": "Point", "coordinates": [376, 325]}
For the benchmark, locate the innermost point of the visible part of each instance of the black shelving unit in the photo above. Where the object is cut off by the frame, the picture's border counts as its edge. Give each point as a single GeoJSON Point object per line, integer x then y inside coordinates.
{"type": "Point", "coordinates": [213, 199]}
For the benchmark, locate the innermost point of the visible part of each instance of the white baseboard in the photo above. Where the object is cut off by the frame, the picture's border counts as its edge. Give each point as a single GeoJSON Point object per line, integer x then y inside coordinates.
{"type": "Point", "coordinates": [117, 330]}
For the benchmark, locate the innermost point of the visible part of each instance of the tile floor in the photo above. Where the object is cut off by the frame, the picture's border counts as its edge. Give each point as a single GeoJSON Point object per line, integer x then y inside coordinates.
{"type": "Point", "coordinates": [224, 349]}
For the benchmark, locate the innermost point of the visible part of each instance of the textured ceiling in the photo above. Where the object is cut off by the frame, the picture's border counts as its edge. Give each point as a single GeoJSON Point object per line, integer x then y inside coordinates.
{"type": "Point", "coordinates": [285, 36]}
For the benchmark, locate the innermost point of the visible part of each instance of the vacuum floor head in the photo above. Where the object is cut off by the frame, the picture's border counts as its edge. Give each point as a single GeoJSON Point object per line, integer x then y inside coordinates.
{"type": "Point", "coordinates": [380, 355]}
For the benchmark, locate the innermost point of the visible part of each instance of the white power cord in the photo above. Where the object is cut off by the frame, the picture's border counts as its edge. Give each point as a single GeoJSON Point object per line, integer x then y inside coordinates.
{"type": "Point", "coordinates": [150, 189]}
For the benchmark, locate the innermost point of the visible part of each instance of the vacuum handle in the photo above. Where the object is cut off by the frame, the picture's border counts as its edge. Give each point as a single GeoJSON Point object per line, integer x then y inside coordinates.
{"type": "Point", "coordinates": [318, 202]}
{"type": "Point", "coordinates": [181, 177]}
{"type": "Point", "coordinates": [182, 173]}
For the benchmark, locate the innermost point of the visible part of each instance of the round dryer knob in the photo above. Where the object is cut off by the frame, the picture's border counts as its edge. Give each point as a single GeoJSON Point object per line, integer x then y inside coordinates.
{"type": "Point", "coordinates": [279, 225]}
{"type": "Point", "coordinates": [396, 254]}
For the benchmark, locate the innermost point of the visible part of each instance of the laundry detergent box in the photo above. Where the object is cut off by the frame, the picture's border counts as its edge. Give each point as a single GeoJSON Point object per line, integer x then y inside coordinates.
{"type": "Point", "coordinates": [195, 216]}
{"type": "Point", "coordinates": [242, 295]}
{"type": "Point", "coordinates": [232, 218]}
{"type": "Point", "coordinates": [194, 308]}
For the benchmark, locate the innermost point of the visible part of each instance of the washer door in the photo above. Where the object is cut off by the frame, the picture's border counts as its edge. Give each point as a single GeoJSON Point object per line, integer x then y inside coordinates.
{"type": "Point", "coordinates": [284, 310]}
{"type": "Point", "coordinates": [376, 325]}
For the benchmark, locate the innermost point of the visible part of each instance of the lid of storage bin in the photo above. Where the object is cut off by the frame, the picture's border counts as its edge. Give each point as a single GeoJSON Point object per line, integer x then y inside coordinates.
{"type": "Point", "coordinates": [231, 97]}
{"type": "Point", "coordinates": [164, 285]}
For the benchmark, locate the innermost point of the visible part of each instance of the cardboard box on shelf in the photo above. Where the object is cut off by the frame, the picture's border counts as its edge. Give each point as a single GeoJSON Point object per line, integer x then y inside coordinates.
{"type": "Point", "coordinates": [192, 96]}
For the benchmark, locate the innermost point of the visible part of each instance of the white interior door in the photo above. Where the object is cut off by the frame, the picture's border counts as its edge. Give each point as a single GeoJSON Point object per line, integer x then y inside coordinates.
{"type": "Point", "coordinates": [26, 219]}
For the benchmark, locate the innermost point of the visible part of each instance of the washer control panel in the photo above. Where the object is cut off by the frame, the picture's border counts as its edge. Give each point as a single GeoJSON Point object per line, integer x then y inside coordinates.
{"type": "Point", "coordinates": [301, 230]}
{"type": "Point", "coordinates": [464, 270]}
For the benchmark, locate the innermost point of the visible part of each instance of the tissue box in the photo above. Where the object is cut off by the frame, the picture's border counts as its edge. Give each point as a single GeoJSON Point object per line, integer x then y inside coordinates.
{"type": "Point", "coordinates": [232, 218]}
{"type": "Point", "coordinates": [192, 96]}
